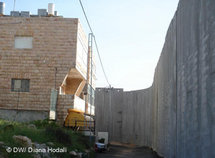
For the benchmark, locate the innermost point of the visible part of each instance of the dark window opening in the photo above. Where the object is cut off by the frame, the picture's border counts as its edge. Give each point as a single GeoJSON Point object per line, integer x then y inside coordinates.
{"type": "Point", "coordinates": [20, 85]}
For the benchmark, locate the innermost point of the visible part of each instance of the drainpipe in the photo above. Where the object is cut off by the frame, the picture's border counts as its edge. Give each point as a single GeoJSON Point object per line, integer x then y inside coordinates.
{"type": "Point", "coordinates": [55, 78]}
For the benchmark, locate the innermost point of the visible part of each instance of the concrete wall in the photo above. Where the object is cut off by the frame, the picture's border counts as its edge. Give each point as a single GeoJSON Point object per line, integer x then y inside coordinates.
{"type": "Point", "coordinates": [23, 115]}
{"type": "Point", "coordinates": [196, 78]}
{"type": "Point", "coordinates": [175, 116]}
{"type": "Point", "coordinates": [108, 112]}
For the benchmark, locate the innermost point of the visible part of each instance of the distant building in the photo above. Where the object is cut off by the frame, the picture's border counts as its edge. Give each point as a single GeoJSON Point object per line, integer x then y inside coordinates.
{"type": "Point", "coordinates": [40, 54]}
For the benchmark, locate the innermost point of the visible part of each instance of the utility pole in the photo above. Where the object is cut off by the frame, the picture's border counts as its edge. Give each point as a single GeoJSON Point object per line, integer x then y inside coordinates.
{"type": "Point", "coordinates": [89, 72]}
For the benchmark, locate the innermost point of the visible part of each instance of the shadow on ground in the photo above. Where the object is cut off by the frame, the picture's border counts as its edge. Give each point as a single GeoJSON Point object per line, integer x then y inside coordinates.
{"type": "Point", "coordinates": [128, 151]}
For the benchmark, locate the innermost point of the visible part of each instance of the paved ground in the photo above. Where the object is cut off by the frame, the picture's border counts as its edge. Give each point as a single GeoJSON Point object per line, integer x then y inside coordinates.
{"type": "Point", "coordinates": [125, 151]}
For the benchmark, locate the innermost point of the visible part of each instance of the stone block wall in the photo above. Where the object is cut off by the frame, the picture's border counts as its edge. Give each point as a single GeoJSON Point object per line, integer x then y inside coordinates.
{"type": "Point", "coordinates": [64, 103]}
{"type": "Point", "coordinates": [52, 57]}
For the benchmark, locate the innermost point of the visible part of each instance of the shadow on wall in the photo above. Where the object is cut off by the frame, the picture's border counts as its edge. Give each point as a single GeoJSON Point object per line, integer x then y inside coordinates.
{"type": "Point", "coordinates": [175, 116]}
{"type": "Point", "coordinates": [23, 115]}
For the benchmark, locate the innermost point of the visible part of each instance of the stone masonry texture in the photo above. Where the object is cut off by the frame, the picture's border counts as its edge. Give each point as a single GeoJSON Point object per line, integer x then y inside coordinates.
{"type": "Point", "coordinates": [176, 115]}
{"type": "Point", "coordinates": [54, 52]}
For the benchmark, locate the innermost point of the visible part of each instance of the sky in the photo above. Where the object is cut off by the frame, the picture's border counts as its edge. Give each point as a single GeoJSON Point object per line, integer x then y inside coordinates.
{"type": "Point", "coordinates": [130, 34]}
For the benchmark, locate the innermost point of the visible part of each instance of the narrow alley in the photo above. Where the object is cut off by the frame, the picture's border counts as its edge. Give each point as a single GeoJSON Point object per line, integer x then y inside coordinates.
{"type": "Point", "coordinates": [128, 151]}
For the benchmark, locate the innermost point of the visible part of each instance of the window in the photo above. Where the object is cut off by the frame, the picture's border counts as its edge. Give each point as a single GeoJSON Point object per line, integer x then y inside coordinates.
{"type": "Point", "coordinates": [23, 42]}
{"type": "Point", "coordinates": [20, 85]}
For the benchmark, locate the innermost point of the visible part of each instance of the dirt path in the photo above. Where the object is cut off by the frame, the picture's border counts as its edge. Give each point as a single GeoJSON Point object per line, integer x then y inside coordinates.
{"type": "Point", "coordinates": [123, 151]}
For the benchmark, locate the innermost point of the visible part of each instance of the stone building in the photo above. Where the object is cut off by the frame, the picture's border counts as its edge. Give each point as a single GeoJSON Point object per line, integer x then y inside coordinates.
{"type": "Point", "coordinates": [43, 67]}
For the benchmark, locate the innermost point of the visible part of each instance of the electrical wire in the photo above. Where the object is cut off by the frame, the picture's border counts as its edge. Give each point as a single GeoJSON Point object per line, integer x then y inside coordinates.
{"type": "Point", "coordinates": [82, 7]}
{"type": "Point", "coordinates": [97, 49]}
{"type": "Point", "coordinates": [101, 62]}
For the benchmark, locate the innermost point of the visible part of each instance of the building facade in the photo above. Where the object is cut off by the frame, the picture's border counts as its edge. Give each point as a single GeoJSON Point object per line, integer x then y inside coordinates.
{"type": "Point", "coordinates": [43, 67]}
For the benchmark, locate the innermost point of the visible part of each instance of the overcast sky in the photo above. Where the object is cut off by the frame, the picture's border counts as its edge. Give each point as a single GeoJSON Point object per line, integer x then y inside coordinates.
{"type": "Point", "coordinates": [130, 34]}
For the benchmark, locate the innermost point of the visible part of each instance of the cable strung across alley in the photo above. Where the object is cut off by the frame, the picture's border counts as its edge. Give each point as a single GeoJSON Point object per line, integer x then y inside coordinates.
{"type": "Point", "coordinates": [97, 49]}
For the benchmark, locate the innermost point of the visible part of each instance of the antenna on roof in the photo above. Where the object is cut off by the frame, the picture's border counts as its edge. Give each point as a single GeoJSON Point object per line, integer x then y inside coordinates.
{"type": "Point", "coordinates": [14, 4]}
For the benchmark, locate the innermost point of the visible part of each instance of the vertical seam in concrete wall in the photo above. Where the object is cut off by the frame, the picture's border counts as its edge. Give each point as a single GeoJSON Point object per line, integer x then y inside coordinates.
{"type": "Point", "coordinates": [198, 70]}
{"type": "Point", "coordinates": [176, 87]}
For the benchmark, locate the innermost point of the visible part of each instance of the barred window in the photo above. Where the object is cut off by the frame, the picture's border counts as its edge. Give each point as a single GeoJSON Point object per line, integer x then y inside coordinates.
{"type": "Point", "coordinates": [20, 85]}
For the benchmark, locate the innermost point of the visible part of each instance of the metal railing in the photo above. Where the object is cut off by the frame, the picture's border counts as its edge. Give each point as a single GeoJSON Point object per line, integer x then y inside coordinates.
{"type": "Point", "coordinates": [81, 125]}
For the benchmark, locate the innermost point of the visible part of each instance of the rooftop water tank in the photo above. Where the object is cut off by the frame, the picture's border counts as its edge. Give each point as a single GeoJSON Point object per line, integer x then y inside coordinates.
{"type": "Point", "coordinates": [2, 7]}
{"type": "Point", "coordinates": [51, 8]}
{"type": "Point", "coordinates": [25, 14]}
{"type": "Point", "coordinates": [14, 13]}
{"type": "Point", "coordinates": [55, 13]}
{"type": "Point", "coordinates": [42, 12]}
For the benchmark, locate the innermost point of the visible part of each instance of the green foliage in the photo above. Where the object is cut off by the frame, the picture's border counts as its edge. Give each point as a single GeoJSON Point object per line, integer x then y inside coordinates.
{"type": "Point", "coordinates": [46, 131]}
{"type": "Point", "coordinates": [61, 135]}
{"type": "Point", "coordinates": [44, 123]}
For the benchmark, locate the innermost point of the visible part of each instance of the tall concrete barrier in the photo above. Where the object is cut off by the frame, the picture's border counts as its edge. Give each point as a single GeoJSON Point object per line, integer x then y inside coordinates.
{"type": "Point", "coordinates": [176, 115]}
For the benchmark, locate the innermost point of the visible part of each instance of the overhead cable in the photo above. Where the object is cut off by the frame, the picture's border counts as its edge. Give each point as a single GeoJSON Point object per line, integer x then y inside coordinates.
{"type": "Point", "coordinates": [97, 49]}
